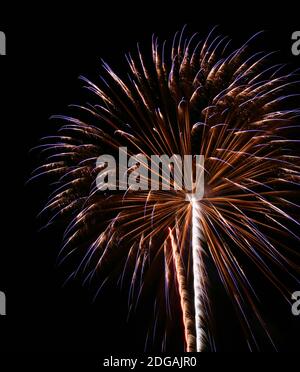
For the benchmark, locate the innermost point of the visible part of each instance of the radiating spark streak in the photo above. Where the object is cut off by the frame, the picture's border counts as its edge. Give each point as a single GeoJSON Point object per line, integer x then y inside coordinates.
{"type": "Point", "coordinates": [184, 295]}
{"type": "Point", "coordinates": [198, 274]}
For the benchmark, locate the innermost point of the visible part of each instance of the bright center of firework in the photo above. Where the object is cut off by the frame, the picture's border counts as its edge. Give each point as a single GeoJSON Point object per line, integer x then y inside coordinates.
{"type": "Point", "coordinates": [193, 199]}
{"type": "Point", "coordinates": [190, 198]}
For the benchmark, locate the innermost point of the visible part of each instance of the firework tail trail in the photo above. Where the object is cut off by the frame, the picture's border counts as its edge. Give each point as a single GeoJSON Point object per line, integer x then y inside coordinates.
{"type": "Point", "coordinates": [198, 274]}
{"type": "Point", "coordinates": [186, 305]}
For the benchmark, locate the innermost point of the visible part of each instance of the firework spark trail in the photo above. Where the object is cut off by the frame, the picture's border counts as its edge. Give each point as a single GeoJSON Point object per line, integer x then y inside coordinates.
{"type": "Point", "coordinates": [198, 274]}
{"type": "Point", "coordinates": [186, 305]}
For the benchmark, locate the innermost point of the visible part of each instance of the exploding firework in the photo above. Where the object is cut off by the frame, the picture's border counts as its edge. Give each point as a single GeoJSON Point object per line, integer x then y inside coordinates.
{"type": "Point", "coordinates": [192, 97]}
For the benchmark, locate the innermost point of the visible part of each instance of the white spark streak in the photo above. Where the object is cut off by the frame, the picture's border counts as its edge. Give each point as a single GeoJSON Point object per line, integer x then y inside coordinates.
{"type": "Point", "coordinates": [198, 273]}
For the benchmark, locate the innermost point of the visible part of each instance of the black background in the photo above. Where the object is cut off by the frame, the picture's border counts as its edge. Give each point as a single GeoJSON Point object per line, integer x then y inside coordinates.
{"type": "Point", "coordinates": [47, 49]}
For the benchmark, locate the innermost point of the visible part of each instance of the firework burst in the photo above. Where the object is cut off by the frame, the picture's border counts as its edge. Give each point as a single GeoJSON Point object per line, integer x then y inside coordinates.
{"type": "Point", "coordinates": [194, 97]}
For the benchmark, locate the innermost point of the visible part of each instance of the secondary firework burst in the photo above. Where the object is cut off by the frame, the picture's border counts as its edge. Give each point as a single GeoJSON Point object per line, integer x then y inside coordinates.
{"type": "Point", "coordinates": [192, 97]}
